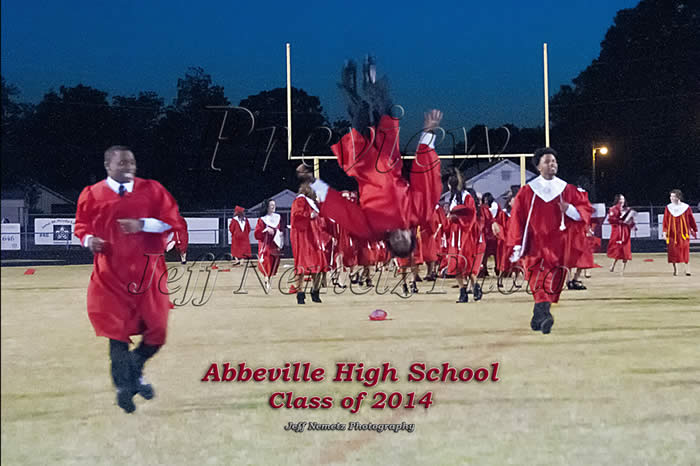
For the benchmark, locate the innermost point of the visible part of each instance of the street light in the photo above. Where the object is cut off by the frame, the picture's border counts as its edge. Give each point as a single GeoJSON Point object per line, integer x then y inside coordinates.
{"type": "Point", "coordinates": [602, 150]}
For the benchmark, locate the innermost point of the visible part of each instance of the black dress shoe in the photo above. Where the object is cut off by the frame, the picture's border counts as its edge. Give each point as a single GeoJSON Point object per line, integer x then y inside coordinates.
{"type": "Point", "coordinates": [301, 297]}
{"type": "Point", "coordinates": [125, 399]}
{"type": "Point", "coordinates": [143, 388]}
{"type": "Point", "coordinates": [478, 294]}
{"type": "Point", "coordinates": [316, 296]}
{"type": "Point", "coordinates": [548, 320]}
{"type": "Point", "coordinates": [538, 316]}
{"type": "Point", "coordinates": [463, 296]}
{"type": "Point", "coordinates": [414, 288]}
{"type": "Point", "coordinates": [575, 285]}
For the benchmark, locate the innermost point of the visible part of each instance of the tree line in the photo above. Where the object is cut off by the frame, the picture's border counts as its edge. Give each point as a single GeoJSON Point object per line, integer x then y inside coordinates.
{"type": "Point", "coordinates": [640, 97]}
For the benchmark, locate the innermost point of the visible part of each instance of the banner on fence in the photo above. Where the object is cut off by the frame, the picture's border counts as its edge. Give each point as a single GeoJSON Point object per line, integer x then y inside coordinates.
{"type": "Point", "coordinates": [11, 237]}
{"type": "Point", "coordinates": [55, 232]}
{"type": "Point", "coordinates": [203, 230]}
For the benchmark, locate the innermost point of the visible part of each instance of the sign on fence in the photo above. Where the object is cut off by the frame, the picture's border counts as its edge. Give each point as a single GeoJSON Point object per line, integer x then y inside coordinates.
{"type": "Point", "coordinates": [55, 232]}
{"type": "Point", "coordinates": [11, 237]}
{"type": "Point", "coordinates": [203, 230]}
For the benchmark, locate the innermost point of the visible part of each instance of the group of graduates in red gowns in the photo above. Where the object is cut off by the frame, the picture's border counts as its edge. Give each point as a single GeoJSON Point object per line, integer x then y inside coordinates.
{"type": "Point", "coordinates": [127, 223]}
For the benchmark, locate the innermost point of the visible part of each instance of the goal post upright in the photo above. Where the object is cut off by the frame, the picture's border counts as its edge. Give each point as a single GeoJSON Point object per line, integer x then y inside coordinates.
{"type": "Point", "coordinates": [317, 158]}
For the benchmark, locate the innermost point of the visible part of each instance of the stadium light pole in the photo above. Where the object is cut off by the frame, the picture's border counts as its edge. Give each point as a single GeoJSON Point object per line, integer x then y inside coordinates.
{"type": "Point", "coordinates": [603, 150]}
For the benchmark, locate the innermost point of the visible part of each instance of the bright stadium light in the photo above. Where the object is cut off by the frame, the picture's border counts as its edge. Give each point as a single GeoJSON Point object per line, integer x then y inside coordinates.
{"type": "Point", "coordinates": [602, 150]}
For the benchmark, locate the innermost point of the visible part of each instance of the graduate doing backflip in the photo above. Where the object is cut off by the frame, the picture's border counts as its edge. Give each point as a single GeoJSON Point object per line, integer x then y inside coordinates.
{"type": "Point", "coordinates": [390, 206]}
{"type": "Point", "coordinates": [542, 211]}
{"type": "Point", "coordinates": [123, 220]}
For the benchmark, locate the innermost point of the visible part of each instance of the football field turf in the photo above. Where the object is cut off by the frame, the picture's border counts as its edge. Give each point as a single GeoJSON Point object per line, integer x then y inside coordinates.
{"type": "Point", "coordinates": [616, 382]}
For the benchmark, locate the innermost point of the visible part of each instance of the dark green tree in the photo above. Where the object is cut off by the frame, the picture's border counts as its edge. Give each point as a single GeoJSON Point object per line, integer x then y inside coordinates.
{"type": "Point", "coordinates": [641, 96]}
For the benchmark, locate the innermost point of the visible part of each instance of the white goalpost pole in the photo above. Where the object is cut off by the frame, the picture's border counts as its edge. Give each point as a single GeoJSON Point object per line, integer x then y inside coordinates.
{"type": "Point", "coordinates": [546, 97]}
{"type": "Point", "coordinates": [289, 103]}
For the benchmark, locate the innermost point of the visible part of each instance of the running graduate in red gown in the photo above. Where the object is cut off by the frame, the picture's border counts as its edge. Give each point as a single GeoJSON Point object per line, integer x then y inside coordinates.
{"type": "Point", "coordinates": [390, 207]}
{"type": "Point", "coordinates": [240, 234]}
{"type": "Point", "coordinates": [268, 232]}
{"type": "Point", "coordinates": [679, 225]}
{"type": "Point", "coordinates": [621, 221]}
{"type": "Point", "coordinates": [123, 221]}
{"type": "Point", "coordinates": [541, 212]}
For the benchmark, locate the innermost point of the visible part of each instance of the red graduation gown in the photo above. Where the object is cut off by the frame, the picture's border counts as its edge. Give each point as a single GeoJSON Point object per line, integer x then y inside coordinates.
{"type": "Point", "coordinates": [269, 252]}
{"type": "Point", "coordinates": [240, 239]}
{"type": "Point", "coordinates": [579, 253]}
{"type": "Point", "coordinates": [304, 235]}
{"type": "Point", "coordinates": [428, 242]}
{"type": "Point", "coordinates": [678, 229]}
{"type": "Point", "coordinates": [461, 244]}
{"type": "Point", "coordinates": [387, 201]}
{"type": "Point", "coordinates": [545, 244]}
{"type": "Point", "coordinates": [620, 244]}
{"type": "Point", "coordinates": [181, 236]}
{"type": "Point", "coordinates": [128, 292]}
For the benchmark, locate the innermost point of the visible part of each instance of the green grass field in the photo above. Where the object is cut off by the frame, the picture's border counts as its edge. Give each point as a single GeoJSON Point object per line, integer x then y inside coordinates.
{"type": "Point", "coordinates": [616, 382]}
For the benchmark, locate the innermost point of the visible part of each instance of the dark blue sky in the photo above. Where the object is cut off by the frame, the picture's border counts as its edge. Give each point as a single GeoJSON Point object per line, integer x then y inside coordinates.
{"type": "Point", "coordinates": [480, 62]}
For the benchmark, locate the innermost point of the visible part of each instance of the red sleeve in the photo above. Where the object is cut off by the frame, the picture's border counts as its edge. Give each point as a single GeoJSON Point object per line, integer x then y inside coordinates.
{"type": "Point", "coordinates": [667, 219]}
{"type": "Point", "coordinates": [259, 227]}
{"type": "Point", "coordinates": [183, 234]}
{"type": "Point", "coordinates": [165, 207]}
{"type": "Point", "coordinates": [466, 213]}
{"type": "Point", "coordinates": [301, 214]}
{"type": "Point", "coordinates": [692, 225]}
{"type": "Point", "coordinates": [83, 222]}
{"type": "Point", "coordinates": [230, 225]}
{"type": "Point", "coordinates": [614, 216]}
{"type": "Point", "coordinates": [347, 214]}
{"type": "Point", "coordinates": [518, 216]}
{"type": "Point", "coordinates": [426, 184]}
{"type": "Point", "coordinates": [579, 199]}
{"type": "Point", "coordinates": [501, 220]}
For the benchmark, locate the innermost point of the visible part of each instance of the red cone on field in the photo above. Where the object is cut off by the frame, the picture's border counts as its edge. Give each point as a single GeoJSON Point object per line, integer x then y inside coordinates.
{"type": "Point", "coordinates": [29, 271]}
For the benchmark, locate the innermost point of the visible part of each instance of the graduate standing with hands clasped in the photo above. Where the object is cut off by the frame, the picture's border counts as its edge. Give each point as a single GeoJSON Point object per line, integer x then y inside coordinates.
{"type": "Point", "coordinates": [123, 221]}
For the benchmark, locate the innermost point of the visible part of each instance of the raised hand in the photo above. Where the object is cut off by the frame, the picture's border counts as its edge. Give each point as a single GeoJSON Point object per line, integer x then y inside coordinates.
{"type": "Point", "coordinates": [431, 119]}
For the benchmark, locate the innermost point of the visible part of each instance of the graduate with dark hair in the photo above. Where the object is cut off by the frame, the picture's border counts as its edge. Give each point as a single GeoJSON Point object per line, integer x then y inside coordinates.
{"type": "Point", "coordinates": [268, 232]}
{"type": "Point", "coordinates": [542, 211]}
{"type": "Point", "coordinates": [678, 226]}
{"type": "Point", "coordinates": [621, 219]}
{"type": "Point", "coordinates": [123, 220]}
{"type": "Point", "coordinates": [390, 206]}
{"type": "Point", "coordinates": [240, 234]}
